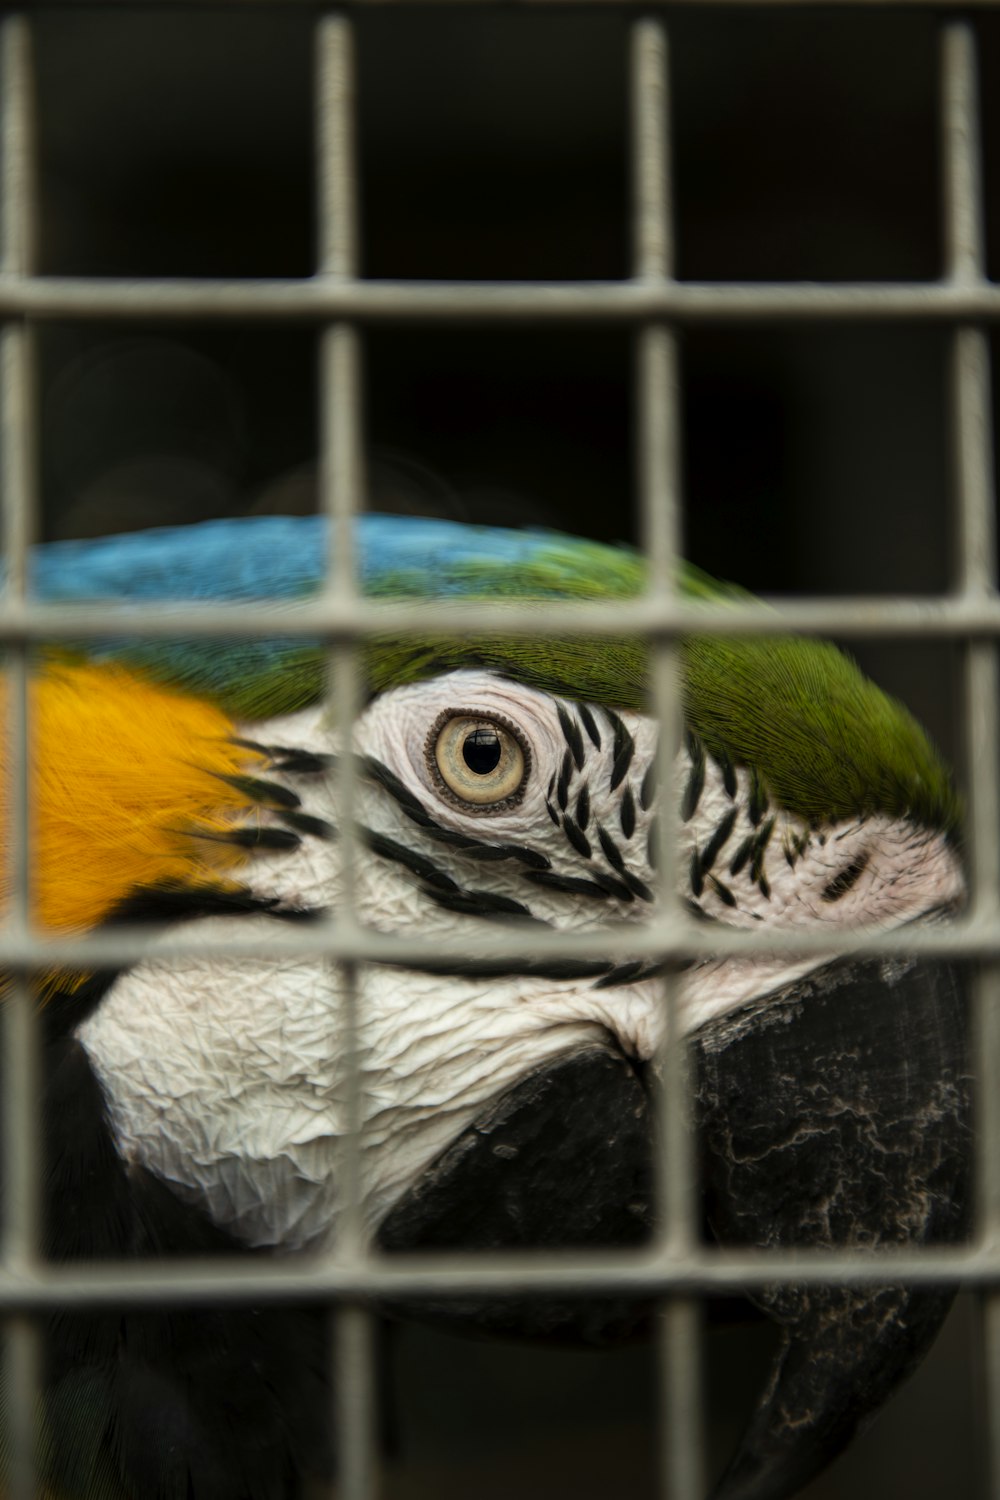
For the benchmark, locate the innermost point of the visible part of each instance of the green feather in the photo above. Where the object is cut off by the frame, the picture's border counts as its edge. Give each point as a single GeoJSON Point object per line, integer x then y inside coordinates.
{"type": "Point", "coordinates": [827, 743]}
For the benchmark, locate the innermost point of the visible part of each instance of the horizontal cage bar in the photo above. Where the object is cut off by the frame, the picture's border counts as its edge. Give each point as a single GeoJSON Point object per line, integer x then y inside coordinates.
{"type": "Point", "coordinates": [661, 940]}
{"type": "Point", "coordinates": [342, 620]}
{"type": "Point", "coordinates": [231, 1280]}
{"type": "Point", "coordinates": [322, 298]}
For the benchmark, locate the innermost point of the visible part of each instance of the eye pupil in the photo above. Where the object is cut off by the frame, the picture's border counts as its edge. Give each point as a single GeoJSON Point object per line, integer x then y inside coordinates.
{"type": "Point", "coordinates": [481, 751]}
{"type": "Point", "coordinates": [480, 762]}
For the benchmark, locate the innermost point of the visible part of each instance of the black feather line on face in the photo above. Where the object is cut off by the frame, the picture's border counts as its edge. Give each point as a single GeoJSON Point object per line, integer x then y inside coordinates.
{"type": "Point", "coordinates": [624, 750]}
{"type": "Point", "coordinates": [723, 892]}
{"type": "Point", "coordinates": [727, 772]}
{"type": "Point", "coordinates": [268, 793]}
{"type": "Point", "coordinates": [638, 887]}
{"type": "Point", "coordinates": [306, 823]}
{"type": "Point", "coordinates": [695, 784]}
{"type": "Point", "coordinates": [626, 813]}
{"type": "Point", "coordinates": [562, 785]}
{"type": "Point", "coordinates": [609, 848]}
{"type": "Point", "coordinates": [302, 763]}
{"type": "Point", "coordinates": [464, 843]}
{"type": "Point", "coordinates": [846, 879]}
{"type": "Point", "coordinates": [570, 885]}
{"type": "Point", "coordinates": [572, 736]}
{"type": "Point", "coordinates": [486, 904]}
{"type": "Point", "coordinates": [590, 725]}
{"type": "Point", "coordinates": [759, 803]}
{"type": "Point", "coordinates": [254, 838]}
{"type": "Point", "coordinates": [488, 853]}
{"type": "Point", "coordinates": [761, 842]}
{"type": "Point", "coordinates": [614, 887]}
{"type": "Point", "coordinates": [647, 791]}
{"type": "Point", "coordinates": [289, 759]}
{"type": "Point", "coordinates": [742, 855]}
{"type": "Point", "coordinates": [414, 809]}
{"type": "Point", "coordinates": [158, 906]}
{"type": "Point", "coordinates": [418, 864]}
{"type": "Point", "coordinates": [577, 837]}
{"type": "Point", "coordinates": [715, 845]}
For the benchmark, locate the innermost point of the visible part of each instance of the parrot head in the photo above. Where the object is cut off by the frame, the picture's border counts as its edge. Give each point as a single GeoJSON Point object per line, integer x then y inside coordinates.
{"type": "Point", "coordinates": [507, 1102]}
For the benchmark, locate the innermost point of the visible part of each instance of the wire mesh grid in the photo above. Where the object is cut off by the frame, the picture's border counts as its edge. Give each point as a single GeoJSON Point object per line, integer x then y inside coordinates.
{"type": "Point", "coordinates": [677, 1268]}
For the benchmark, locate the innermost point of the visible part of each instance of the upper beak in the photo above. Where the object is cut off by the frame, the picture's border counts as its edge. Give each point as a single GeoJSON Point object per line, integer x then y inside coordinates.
{"type": "Point", "coordinates": [832, 1114]}
{"type": "Point", "coordinates": [836, 1115]}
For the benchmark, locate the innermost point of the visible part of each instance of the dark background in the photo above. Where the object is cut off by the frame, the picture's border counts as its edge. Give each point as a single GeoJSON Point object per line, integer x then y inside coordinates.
{"type": "Point", "coordinates": [494, 145]}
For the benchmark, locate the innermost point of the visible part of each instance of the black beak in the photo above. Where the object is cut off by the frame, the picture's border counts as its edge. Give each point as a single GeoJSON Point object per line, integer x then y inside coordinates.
{"type": "Point", "coordinates": [562, 1161]}
{"type": "Point", "coordinates": [832, 1113]}
{"type": "Point", "coordinates": [836, 1114]}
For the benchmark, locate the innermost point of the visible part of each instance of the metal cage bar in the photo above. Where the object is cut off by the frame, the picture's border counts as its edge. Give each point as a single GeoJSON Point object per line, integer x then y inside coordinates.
{"type": "Point", "coordinates": [196, 1283]}
{"type": "Point", "coordinates": [342, 468]}
{"type": "Point", "coordinates": [972, 460]}
{"type": "Point", "coordinates": [18, 496]}
{"type": "Point", "coordinates": [666, 939]}
{"type": "Point", "coordinates": [317, 300]}
{"type": "Point", "coordinates": [680, 1436]}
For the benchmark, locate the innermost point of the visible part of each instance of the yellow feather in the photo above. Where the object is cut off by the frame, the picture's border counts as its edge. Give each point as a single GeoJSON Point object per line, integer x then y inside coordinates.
{"type": "Point", "coordinates": [124, 776]}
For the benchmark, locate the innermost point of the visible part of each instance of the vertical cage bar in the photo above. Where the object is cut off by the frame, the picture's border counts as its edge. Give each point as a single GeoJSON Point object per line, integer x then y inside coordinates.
{"type": "Point", "coordinates": [962, 185]}
{"type": "Point", "coordinates": [341, 478]}
{"type": "Point", "coordinates": [973, 484]}
{"type": "Point", "coordinates": [355, 1403]}
{"type": "Point", "coordinates": [659, 472]}
{"type": "Point", "coordinates": [337, 188]}
{"type": "Point", "coordinates": [342, 468]}
{"type": "Point", "coordinates": [21, 1164]}
{"type": "Point", "coordinates": [972, 463]}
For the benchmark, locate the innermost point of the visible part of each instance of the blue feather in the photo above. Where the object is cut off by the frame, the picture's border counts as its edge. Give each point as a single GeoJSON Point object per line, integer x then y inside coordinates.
{"type": "Point", "coordinates": [279, 557]}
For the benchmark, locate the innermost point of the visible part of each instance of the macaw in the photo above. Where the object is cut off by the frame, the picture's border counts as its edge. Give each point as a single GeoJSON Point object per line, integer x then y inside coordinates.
{"type": "Point", "coordinates": [194, 1107]}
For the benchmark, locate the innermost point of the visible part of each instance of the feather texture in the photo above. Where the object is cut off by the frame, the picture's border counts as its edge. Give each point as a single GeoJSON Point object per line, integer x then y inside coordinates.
{"type": "Point", "coordinates": [133, 785]}
{"type": "Point", "coordinates": [826, 742]}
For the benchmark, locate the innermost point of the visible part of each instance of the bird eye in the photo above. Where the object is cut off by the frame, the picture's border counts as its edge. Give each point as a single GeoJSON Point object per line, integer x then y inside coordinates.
{"type": "Point", "coordinates": [480, 761]}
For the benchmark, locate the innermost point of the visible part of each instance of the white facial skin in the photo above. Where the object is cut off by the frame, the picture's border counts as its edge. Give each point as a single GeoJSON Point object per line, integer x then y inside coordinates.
{"type": "Point", "coordinates": [224, 1079]}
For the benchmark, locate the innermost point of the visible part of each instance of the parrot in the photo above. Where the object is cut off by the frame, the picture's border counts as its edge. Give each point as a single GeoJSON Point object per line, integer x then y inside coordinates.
{"type": "Point", "coordinates": [196, 1107]}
